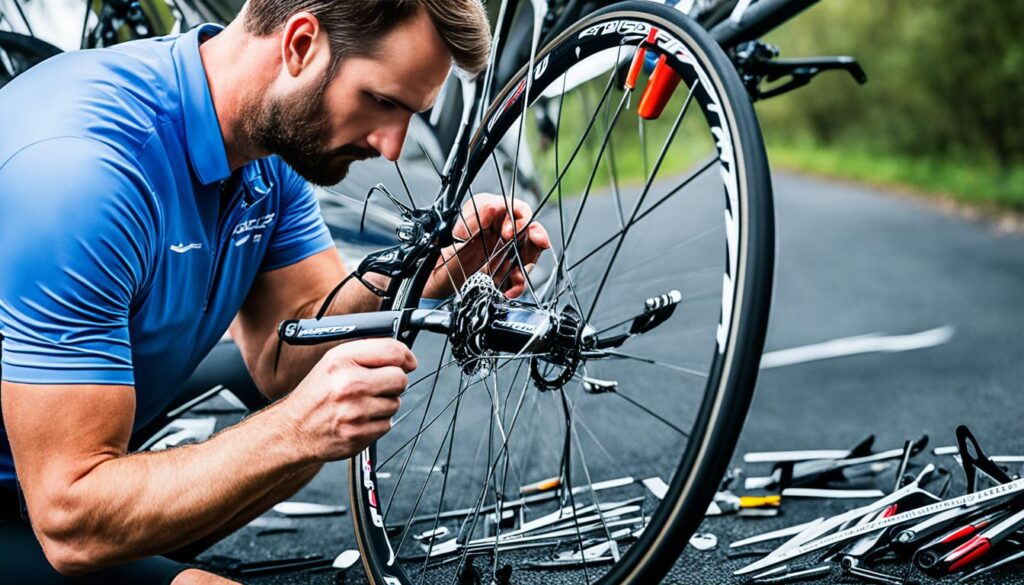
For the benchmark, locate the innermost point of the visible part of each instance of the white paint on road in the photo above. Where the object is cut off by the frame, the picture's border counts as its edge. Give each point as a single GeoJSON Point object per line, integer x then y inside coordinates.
{"type": "Point", "coordinates": [871, 343]}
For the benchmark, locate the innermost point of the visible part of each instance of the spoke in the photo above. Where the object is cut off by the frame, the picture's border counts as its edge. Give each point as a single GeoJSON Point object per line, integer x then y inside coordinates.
{"type": "Point", "coordinates": [610, 159]}
{"type": "Point", "coordinates": [408, 193]}
{"type": "Point", "coordinates": [590, 481]}
{"type": "Point", "coordinates": [590, 182]}
{"type": "Point", "coordinates": [652, 413]}
{"type": "Point", "coordinates": [566, 241]}
{"type": "Point", "coordinates": [593, 172]}
{"type": "Point", "coordinates": [572, 156]}
{"type": "Point", "coordinates": [427, 426]}
{"type": "Point", "coordinates": [637, 219]}
{"type": "Point", "coordinates": [510, 202]}
{"type": "Point", "coordinates": [567, 474]}
{"type": "Point", "coordinates": [643, 143]}
{"type": "Point", "coordinates": [418, 381]}
{"type": "Point", "coordinates": [499, 493]}
{"type": "Point", "coordinates": [510, 205]}
{"type": "Point", "coordinates": [476, 513]}
{"type": "Point", "coordinates": [518, 359]}
{"type": "Point", "coordinates": [451, 277]}
{"type": "Point", "coordinates": [619, 354]}
{"type": "Point", "coordinates": [426, 409]}
{"type": "Point", "coordinates": [643, 195]}
{"type": "Point", "coordinates": [657, 416]}
{"type": "Point", "coordinates": [426, 155]}
{"type": "Point", "coordinates": [479, 223]}
{"type": "Point", "coordinates": [440, 500]}
{"type": "Point", "coordinates": [661, 255]}
{"type": "Point", "coordinates": [423, 488]}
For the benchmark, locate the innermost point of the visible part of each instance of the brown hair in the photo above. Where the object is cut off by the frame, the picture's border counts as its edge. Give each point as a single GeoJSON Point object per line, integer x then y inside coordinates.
{"type": "Point", "coordinates": [356, 27]}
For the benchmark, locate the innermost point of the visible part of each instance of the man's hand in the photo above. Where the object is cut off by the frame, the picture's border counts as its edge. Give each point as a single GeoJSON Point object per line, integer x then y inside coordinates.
{"type": "Point", "coordinates": [347, 400]}
{"type": "Point", "coordinates": [487, 232]}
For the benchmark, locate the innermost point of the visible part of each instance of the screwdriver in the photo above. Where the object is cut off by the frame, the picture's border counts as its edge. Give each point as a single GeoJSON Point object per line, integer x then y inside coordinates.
{"type": "Point", "coordinates": [930, 556]}
{"type": "Point", "coordinates": [980, 544]}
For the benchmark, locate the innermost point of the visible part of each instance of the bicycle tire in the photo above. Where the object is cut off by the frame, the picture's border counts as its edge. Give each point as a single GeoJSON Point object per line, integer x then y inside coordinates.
{"type": "Point", "coordinates": [743, 321]}
{"type": "Point", "coordinates": [24, 52]}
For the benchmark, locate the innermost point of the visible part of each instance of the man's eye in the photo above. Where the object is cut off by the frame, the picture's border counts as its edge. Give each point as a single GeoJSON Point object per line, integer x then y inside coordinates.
{"type": "Point", "coordinates": [383, 103]}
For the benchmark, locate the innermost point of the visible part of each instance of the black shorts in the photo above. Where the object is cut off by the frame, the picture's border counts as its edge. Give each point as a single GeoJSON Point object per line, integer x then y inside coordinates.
{"type": "Point", "coordinates": [22, 560]}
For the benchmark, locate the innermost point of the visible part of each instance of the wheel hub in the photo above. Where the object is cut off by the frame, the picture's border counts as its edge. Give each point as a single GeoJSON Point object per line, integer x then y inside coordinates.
{"type": "Point", "coordinates": [487, 325]}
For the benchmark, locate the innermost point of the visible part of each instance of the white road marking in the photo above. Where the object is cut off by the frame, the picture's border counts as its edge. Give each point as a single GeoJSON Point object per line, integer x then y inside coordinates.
{"type": "Point", "coordinates": [871, 343]}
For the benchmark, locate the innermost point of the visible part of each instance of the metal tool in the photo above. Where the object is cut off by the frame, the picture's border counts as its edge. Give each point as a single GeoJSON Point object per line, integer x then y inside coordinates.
{"type": "Point", "coordinates": [1002, 562]}
{"type": "Point", "coordinates": [979, 545]}
{"type": "Point", "coordinates": [863, 447]}
{"type": "Point", "coordinates": [729, 503]}
{"type": "Point", "coordinates": [955, 451]}
{"type": "Point", "coordinates": [346, 559]}
{"type": "Point", "coordinates": [975, 461]}
{"type": "Point", "coordinates": [832, 493]}
{"type": "Point", "coordinates": [775, 534]}
{"type": "Point", "coordinates": [901, 471]}
{"type": "Point", "coordinates": [851, 566]}
{"type": "Point", "coordinates": [907, 541]}
{"type": "Point", "coordinates": [793, 576]}
{"type": "Point", "coordinates": [251, 569]}
{"type": "Point", "coordinates": [295, 509]}
{"type": "Point", "coordinates": [817, 540]}
{"type": "Point", "coordinates": [525, 500]}
{"type": "Point", "coordinates": [821, 471]}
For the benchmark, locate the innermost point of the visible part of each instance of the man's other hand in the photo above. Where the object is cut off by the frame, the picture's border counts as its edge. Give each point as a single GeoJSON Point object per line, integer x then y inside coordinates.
{"type": "Point", "coordinates": [347, 400]}
{"type": "Point", "coordinates": [485, 233]}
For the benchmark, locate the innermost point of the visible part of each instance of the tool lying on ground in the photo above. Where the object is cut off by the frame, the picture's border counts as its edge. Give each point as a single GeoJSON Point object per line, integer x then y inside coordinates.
{"type": "Point", "coordinates": [235, 566]}
{"type": "Point", "coordinates": [308, 509]}
{"type": "Point", "coordinates": [978, 531]}
{"type": "Point", "coordinates": [808, 474]}
{"type": "Point", "coordinates": [727, 502]}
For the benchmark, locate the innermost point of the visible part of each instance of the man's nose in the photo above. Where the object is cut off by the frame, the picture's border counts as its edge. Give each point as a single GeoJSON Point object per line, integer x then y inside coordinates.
{"type": "Point", "coordinates": [388, 140]}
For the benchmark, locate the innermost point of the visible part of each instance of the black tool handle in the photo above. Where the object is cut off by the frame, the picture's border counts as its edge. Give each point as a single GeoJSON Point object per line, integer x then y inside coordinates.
{"type": "Point", "coordinates": [362, 326]}
{"type": "Point", "coordinates": [339, 328]}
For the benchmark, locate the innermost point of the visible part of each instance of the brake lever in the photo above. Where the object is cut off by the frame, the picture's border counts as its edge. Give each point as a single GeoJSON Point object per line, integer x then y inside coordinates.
{"type": "Point", "coordinates": [802, 71]}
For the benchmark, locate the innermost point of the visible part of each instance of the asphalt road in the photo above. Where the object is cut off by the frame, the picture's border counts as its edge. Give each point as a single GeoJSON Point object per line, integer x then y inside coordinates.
{"type": "Point", "coordinates": [851, 262]}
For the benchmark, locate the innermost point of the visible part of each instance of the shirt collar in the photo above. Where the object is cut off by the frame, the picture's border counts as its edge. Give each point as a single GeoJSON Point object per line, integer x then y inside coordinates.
{"type": "Point", "coordinates": [205, 144]}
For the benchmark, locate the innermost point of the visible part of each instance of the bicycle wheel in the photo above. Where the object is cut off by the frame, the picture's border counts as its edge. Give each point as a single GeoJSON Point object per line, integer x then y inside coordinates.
{"type": "Point", "coordinates": [536, 468]}
{"type": "Point", "coordinates": [18, 53]}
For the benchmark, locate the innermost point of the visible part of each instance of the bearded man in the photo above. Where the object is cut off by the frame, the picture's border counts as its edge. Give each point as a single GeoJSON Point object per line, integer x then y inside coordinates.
{"type": "Point", "coordinates": [152, 195]}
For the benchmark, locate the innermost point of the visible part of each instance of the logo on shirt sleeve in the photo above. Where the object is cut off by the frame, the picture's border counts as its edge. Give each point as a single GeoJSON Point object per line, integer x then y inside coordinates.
{"type": "Point", "coordinates": [252, 230]}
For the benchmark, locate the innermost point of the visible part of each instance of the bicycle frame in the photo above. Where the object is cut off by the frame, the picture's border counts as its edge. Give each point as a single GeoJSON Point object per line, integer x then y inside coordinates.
{"type": "Point", "coordinates": [429, 230]}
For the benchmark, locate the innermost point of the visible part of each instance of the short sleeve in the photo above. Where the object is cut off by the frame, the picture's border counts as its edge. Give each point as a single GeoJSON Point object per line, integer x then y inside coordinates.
{"type": "Point", "coordinates": [75, 231]}
{"type": "Point", "coordinates": [300, 230]}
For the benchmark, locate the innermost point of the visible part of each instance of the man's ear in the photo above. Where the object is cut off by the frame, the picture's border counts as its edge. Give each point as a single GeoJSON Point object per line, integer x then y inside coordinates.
{"type": "Point", "coordinates": [302, 42]}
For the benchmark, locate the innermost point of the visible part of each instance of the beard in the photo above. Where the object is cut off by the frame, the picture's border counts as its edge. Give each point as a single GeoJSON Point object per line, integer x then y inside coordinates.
{"type": "Point", "coordinates": [298, 130]}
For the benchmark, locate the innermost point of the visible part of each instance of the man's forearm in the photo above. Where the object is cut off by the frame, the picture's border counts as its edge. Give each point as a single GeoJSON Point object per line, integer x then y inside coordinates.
{"type": "Point", "coordinates": [138, 505]}
{"type": "Point", "coordinates": [279, 375]}
{"type": "Point", "coordinates": [285, 488]}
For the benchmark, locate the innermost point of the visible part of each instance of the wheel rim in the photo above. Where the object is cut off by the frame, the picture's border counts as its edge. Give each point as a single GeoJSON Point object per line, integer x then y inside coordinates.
{"type": "Point", "coordinates": [609, 298]}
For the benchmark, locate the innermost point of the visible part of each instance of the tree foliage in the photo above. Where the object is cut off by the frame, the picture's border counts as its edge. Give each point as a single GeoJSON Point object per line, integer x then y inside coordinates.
{"type": "Point", "coordinates": [945, 79]}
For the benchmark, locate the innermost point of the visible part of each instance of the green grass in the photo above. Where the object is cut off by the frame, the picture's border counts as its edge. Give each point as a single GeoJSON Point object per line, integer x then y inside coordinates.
{"type": "Point", "coordinates": [982, 185]}
{"type": "Point", "coordinates": [691, 145]}
{"type": "Point", "coordinates": [977, 183]}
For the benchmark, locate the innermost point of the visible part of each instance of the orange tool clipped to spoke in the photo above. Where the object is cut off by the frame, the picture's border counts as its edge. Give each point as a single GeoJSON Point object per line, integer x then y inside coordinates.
{"type": "Point", "coordinates": [660, 87]}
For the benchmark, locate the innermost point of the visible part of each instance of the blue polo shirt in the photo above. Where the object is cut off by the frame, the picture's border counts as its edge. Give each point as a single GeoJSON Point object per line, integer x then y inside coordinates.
{"type": "Point", "coordinates": [126, 243]}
